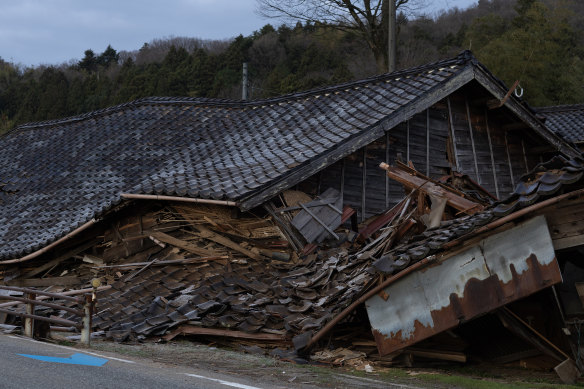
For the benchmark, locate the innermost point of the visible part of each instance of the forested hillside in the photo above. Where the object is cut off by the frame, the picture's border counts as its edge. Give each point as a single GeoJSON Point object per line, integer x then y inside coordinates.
{"type": "Point", "coordinates": [539, 42]}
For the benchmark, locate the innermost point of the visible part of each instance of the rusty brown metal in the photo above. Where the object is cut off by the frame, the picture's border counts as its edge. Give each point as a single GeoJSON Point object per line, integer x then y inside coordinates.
{"type": "Point", "coordinates": [500, 269]}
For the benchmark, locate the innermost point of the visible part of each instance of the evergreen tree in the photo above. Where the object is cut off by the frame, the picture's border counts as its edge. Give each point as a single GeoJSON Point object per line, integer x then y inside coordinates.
{"type": "Point", "coordinates": [108, 57]}
{"type": "Point", "coordinates": [538, 50]}
{"type": "Point", "coordinates": [89, 61]}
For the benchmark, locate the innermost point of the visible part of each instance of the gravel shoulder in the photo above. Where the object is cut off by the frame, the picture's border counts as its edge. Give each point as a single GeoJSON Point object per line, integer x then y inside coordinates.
{"type": "Point", "coordinates": [272, 372]}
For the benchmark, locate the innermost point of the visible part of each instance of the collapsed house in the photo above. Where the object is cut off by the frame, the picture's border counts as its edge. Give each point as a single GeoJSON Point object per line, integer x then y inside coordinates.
{"type": "Point", "coordinates": [272, 221]}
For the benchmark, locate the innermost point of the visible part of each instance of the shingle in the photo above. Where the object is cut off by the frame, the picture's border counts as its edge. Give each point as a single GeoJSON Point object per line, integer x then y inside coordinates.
{"type": "Point", "coordinates": [565, 120]}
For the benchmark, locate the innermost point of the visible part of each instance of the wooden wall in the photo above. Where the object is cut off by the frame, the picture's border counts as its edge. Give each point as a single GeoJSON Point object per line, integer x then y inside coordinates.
{"type": "Point", "coordinates": [453, 134]}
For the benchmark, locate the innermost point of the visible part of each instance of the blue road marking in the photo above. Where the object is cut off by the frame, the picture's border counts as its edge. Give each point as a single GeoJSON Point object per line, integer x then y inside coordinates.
{"type": "Point", "coordinates": [75, 359]}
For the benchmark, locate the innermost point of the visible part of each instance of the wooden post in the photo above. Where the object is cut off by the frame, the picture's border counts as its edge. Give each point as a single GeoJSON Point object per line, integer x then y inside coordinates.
{"type": "Point", "coordinates": [494, 167]}
{"type": "Point", "coordinates": [87, 314]}
{"type": "Point", "coordinates": [407, 142]}
{"type": "Point", "coordinates": [453, 136]}
{"type": "Point", "coordinates": [509, 160]}
{"type": "Point", "coordinates": [28, 321]}
{"type": "Point", "coordinates": [427, 142]}
{"type": "Point", "coordinates": [385, 175]}
{"type": "Point", "coordinates": [472, 142]}
{"type": "Point", "coordinates": [364, 184]}
{"type": "Point", "coordinates": [343, 179]}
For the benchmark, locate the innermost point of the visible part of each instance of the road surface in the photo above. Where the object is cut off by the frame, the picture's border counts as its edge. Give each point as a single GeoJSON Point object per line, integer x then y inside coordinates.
{"type": "Point", "coordinates": [31, 364]}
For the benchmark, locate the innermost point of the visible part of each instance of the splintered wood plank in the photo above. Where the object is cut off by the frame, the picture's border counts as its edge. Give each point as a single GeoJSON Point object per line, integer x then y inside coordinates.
{"type": "Point", "coordinates": [566, 224]}
{"type": "Point", "coordinates": [220, 239]}
{"type": "Point", "coordinates": [571, 241]}
{"type": "Point", "coordinates": [427, 185]}
{"type": "Point", "coordinates": [217, 238]}
{"type": "Point", "coordinates": [120, 251]}
{"type": "Point", "coordinates": [565, 230]}
{"type": "Point", "coordinates": [435, 354]}
{"type": "Point", "coordinates": [190, 247]}
{"type": "Point", "coordinates": [193, 330]}
{"type": "Point", "coordinates": [568, 215]}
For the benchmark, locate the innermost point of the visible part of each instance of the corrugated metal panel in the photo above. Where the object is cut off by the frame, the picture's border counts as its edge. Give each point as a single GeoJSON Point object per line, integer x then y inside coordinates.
{"type": "Point", "coordinates": [500, 269]}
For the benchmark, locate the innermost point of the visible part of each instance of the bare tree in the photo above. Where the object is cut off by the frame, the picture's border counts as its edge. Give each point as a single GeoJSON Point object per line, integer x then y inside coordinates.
{"type": "Point", "coordinates": [369, 18]}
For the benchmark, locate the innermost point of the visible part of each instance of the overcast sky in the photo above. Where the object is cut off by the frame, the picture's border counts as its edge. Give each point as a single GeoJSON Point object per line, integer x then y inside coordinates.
{"type": "Point", "coordinates": [34, 32]}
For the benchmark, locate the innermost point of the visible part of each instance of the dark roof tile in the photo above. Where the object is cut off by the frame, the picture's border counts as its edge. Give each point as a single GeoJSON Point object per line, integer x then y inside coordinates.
{"type": "Point", "coordinates": [566, 120]}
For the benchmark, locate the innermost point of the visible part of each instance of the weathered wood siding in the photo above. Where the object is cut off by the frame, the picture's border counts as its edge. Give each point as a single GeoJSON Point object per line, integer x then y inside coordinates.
{"type": "Point", "coordinates": [481, 147]}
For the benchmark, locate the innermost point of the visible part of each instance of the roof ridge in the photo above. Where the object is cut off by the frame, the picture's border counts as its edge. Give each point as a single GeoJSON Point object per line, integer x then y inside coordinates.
{"type": "Point", "coordinates": [559, 108]}
{"type": "Point", "coordinates": [463, 58]}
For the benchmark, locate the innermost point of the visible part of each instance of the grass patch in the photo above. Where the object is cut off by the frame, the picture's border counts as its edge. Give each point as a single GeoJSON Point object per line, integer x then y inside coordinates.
{"type": "Point", "coordinates": [130, 350]}
{"type": "Point", "coordinates": [62, 342]}
{"type": "Point", "coordinates": [486, 383]}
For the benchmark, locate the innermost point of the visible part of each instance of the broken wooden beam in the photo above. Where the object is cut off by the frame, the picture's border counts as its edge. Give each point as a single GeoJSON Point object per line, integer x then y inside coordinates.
{"type": "Point", "coordinates": [429, 186]}
{"type": "Point", "coordinates": [53, 281]}
{"type": "Point", "coordinates": [171, 240]}
{"type": "Point", "coordinates": [220, 239]}
{"type": "Point", "coordinates": [381, 220]}
{"type": "Point", "coordinates": [163, 263]}
{"type": "Point", "coordinates": [285, 227]}
{"type": "Point", "coordinates": [223, 241]}
{"type": "Point", "coordinates": [452, 356]}
{"type": "Point", "coordinates": [194, 330]}
{"type": "Point", "coordinates": [523, 330]}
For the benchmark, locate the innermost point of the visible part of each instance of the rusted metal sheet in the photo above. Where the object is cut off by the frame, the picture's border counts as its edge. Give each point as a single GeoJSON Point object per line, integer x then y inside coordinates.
{"type": "Point", "coordinates": [500, 269]}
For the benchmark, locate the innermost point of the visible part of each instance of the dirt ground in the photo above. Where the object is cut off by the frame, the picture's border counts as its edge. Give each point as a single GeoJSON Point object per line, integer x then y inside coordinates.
{"type": "Point", "coordinates": [296, 374]}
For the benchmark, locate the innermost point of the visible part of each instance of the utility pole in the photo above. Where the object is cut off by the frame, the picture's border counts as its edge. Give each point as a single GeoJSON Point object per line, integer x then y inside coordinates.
{"type": "Point", "coordinates": [244, 94]}
{"type": "Point", "coordinates": [391, 38]}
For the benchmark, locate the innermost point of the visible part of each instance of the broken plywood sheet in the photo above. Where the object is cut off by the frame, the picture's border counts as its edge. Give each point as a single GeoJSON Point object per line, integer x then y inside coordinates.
{"type": "Point", "coordinates": [500, 269]}
{"type": "Point", "coordinates": [318, 219]}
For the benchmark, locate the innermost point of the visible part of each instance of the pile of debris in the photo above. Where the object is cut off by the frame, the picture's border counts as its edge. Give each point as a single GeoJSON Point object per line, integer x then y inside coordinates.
{"type": "Point", "coordinates": [211, 270]}
{"type": "Point", "coordinates": [285, 275]}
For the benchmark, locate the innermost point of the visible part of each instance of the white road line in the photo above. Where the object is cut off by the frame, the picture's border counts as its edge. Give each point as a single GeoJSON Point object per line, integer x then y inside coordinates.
{"type": "Point", "coordinates": [72, 349]}
{"type": "Point", "coordinates": [227, 383]}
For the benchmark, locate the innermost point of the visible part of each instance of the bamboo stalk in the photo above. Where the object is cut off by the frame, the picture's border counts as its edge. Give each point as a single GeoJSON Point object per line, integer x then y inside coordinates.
{"type": "Point", "coordinates": [131, 196]}
{"type": "Point", "coordinates": [47, 248]}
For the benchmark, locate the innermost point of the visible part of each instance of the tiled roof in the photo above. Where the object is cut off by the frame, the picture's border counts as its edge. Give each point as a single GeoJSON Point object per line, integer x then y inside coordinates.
{"type": "Point", "coordinates": [57, 175]}
{"type": "Point", "coordinates": [565, 120]}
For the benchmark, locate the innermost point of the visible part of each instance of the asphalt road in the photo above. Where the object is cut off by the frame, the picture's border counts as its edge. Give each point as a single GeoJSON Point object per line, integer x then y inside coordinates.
{"type": "Point", "coordinates": [17, 371]}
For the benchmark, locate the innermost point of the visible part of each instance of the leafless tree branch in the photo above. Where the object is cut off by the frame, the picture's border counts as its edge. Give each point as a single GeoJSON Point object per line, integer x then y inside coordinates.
{"type": "Point", "coordinates": [369, 18]}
